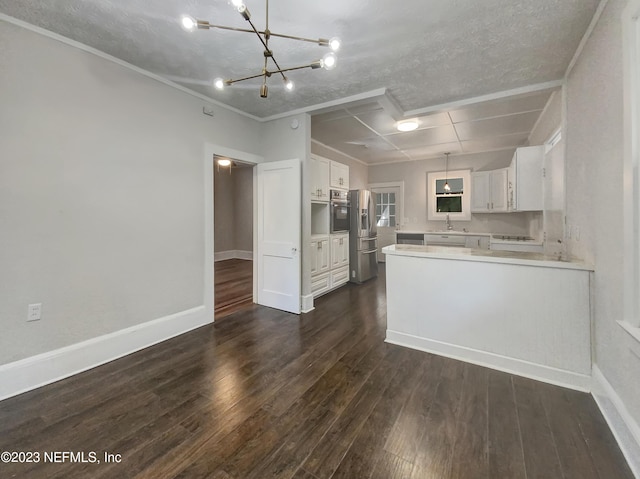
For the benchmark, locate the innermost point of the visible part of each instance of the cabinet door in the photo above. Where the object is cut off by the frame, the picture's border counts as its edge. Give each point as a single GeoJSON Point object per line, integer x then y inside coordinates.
{"type": "Point", "coordinates": [477, 242]}
{"type": "Point", "coordinates": [319, 256]}
{"type": "Point", "coordinates": [480, 191]}
{"type": "Point", "coordinates": [324, 256]}
{"type": "Point", "coordinates": [499, 179]}
{"type": "Point", "coordinates": [339, 251]}
{"type": "Point", "coordinates": [529, 180]}
{"type": "Point", "coordinates": [320, 179]}
{"type": "Point", "coordinates": [339, 177]}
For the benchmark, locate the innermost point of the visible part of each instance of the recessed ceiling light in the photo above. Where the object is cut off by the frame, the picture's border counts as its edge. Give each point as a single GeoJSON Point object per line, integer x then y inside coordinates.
{"type": "Point", "coordinates": [407, 125]}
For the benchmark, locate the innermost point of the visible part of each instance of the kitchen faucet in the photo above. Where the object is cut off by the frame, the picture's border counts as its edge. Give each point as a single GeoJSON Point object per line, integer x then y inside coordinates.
{"type": "Point", "coordinates": [449, 225]}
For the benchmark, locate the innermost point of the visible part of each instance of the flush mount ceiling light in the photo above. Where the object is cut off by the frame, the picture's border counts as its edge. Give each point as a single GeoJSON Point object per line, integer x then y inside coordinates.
{"type": "Point", "coordinates": [407, 125]}
{"type": "Point", "coordinates": [328, 62]}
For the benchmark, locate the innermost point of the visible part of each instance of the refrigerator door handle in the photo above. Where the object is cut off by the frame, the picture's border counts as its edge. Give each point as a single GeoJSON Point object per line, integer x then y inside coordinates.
{"type": "Point", "coordinates": [369, 252]}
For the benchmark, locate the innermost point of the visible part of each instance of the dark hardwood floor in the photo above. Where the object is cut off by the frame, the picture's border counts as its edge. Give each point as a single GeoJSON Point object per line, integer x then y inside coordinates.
{"type": "Point", "coordinates": [316, 396]}
{"type": "Point", "coordinates": [233, 286]}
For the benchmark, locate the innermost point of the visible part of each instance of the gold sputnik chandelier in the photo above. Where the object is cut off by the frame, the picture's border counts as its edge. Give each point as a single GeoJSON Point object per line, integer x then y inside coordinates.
{"type": "Point", "coordinates": [328, 62]}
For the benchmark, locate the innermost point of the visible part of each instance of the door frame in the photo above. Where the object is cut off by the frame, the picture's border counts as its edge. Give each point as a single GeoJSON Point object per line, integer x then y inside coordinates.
{"type": "Point", "coordinates": [211, 149]}
{"type": "Point", "coordinates": [392, 184]}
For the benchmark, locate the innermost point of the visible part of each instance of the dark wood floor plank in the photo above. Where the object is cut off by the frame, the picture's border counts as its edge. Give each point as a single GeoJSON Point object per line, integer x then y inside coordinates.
{"type": "Point", "coordinates": [540, 452]}
{"type": "Point", "coordinates": [267, 394]}
{"type": "Point", "coordinates": [361, 458]}
{"type": "Point", "coordinates": [506, 457]}
{"type": "Point", "coordinates": [405, 436]}
{"type": "Point", "coordinates": [470, 454]}
{"type": "Point", "coordinates": [233, 286]}
{"type": "Point", "coordinates": [435, 447]}
{"type": "Point", "coordinates": [573, 451]}
{"type": "Point", "coordinates": [326, 457]}
{"type": "Point", "coordinates": [603, 449]}
{"type": "Point", "coordinates": [390, 466]}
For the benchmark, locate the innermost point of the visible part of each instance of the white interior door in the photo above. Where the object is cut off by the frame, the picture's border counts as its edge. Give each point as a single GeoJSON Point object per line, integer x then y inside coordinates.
{"type": "Point", "coordinates": [388, 209]}
{"type": "Point", "coordinates": [278, 235]}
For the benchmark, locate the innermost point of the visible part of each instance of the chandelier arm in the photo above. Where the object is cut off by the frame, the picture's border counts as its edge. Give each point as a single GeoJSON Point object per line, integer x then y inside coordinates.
{"type": "Point", "coordinates": [231, 82]}
{"type": "Point", "coordinates": [292, 68]}
{"type": "Point", "coordinates": [323, 42]}
{"type": "Point", "coordinates": [223, 27]}
{"type": "Point", "coordinates": [283, 70]}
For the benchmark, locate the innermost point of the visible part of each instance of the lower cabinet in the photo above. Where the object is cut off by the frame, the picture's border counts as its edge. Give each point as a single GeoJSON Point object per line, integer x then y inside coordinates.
{"type": "Point", "coordinates": [329, 263]}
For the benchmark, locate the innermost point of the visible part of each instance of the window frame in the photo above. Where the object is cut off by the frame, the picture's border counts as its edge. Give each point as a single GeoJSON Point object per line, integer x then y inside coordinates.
{"type": "Point", "coordinates": [432, 213]}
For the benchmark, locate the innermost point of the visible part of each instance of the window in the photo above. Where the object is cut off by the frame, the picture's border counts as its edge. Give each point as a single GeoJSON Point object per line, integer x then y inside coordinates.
{"type": "Point", "coordinates": [386, 209]}
{"type": "Point", "coordinates": [455, 201]}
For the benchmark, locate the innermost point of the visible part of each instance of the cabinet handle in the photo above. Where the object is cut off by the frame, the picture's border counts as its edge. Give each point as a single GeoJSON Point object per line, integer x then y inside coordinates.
{"type": "Point", "coordinates": [492, 205]}
{"type": "Point", "coordinates": [487, 205]}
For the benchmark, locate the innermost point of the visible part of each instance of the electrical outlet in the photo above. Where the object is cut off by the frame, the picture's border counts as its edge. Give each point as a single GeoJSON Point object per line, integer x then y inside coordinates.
{"type": "Point", "coordinates": [34, 312]}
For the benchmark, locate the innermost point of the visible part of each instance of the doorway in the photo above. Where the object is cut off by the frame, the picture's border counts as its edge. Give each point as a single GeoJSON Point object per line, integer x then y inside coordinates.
{"type": "Point", "coordinates": [233, 236]}
{"type": "Point", "coordinates": [388, 199]}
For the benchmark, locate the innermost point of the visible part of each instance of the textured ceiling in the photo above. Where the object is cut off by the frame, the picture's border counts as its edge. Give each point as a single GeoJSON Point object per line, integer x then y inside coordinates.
{"type": "Point", "coordinates": [424, 52]}
{"type": "Point", "coordinates": [368, 133]}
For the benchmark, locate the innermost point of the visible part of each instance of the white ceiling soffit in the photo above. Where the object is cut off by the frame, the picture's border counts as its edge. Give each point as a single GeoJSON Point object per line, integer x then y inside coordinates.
{"type": "Point", "coordinates": [424, 52]}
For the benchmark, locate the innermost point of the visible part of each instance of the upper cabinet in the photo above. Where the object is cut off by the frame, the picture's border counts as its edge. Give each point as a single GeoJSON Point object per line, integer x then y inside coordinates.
{"type": "Point", "coordinates": [320, 168]}
{"type": "Point", "coordinates": [489, 191]}
{"type": "Point", "coordinates": [525, 189]}
{"type": "Point", "coordinates": [339, 176]}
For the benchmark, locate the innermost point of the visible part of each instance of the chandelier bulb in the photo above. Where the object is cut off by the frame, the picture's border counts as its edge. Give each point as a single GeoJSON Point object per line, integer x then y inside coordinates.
{"type": "Point", "coordinates": [334, 44]}
{"type": "Point", "coordinates": [218, 83]}
{"type": "Point", "coordinates": [289, 85]}
{"type": "Point", "coordinates": [237, 3]}
{"type": "Point", "coordinates": [188, 23]}
{"type": "Point", "coordinates": [329, 61]}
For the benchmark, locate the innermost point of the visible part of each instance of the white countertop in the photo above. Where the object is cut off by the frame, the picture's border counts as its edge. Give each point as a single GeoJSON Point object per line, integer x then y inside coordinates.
{"type": "Point", "coordinates": [487, 256]}
{"type": "Point", "coordinates": [493, 237]}
{"type": "Point", "coordinates": [444, 232]}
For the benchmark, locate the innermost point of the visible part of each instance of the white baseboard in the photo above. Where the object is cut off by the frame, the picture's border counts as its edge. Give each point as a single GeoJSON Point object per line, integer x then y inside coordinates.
{"type": "Point", "coordinates": [233, 254]}
{"type": "Point", "coordinates": [539, 372]}
{"type": "Point", "coordinates": [624, 428]}
{"type": "Point", "coordinates": [36, 371]}
{"type": "Point", "coordinates": [307, 303]}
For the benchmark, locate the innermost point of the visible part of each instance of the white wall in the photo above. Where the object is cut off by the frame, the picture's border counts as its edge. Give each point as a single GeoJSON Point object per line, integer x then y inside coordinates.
{"type": "Point", "coordinates": [101, 193]}
{"type": "Point", "coordinates": [233, 209]}
{"type": "Point", "coordinates": [550, 120]}
{"type": "Point", "coordinates": [282, 142]}
{"type": "Point", "coordinates": [414, 175]}
{"type": "Point", "coordinates": [594, 196]}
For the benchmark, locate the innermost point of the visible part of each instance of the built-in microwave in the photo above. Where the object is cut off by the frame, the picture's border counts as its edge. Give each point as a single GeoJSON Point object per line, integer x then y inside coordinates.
{"type": "Point", "coordinates": [339, 210]}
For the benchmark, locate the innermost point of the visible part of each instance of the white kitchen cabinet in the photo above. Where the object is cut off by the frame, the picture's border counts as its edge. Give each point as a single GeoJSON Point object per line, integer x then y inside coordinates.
{"type": "Point", "coordinates": [320, 255]}
{"type": "Point", "coordinates": [489, 191]}
{"type": "Point", "coordinates": [339, 251]}
{"type": "Point", "coordinates": [477, 242]}
{"type": "Point", "coordinates": [320, 172]}
{"type": "Point", "coordinates": [525, 190]}
{"type": "Point", "coordinates": [339, 176]}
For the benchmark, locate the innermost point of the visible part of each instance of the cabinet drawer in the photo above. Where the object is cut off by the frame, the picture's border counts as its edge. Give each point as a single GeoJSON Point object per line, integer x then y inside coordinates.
{"type": "Point", "coordinates": [445, 240]}
{"type": "Point", "coordinates": [320, 283]}
{"type": "Point", "coordinates": [339, 276]}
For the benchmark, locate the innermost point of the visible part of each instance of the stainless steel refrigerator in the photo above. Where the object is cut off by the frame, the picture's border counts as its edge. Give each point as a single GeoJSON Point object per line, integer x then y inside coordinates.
{"type": "Point", "coordinates": [363, 237]}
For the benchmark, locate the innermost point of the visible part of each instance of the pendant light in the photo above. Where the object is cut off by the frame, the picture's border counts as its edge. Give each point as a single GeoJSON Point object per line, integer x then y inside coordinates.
{"type": "Point", "coordinates": [447, 188]}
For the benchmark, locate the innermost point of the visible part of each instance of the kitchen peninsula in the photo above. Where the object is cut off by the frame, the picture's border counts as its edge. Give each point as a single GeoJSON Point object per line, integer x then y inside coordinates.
{"type": "Point", "coordinates": [523, 313]}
